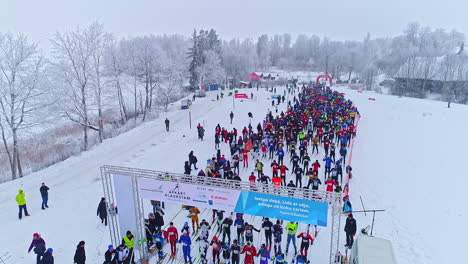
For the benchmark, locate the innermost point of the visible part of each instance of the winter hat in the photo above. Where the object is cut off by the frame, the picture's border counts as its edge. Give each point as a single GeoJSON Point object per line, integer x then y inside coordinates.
{"type": "Point", "coordinates": [102, 199]}
{"type": "Point", "coordinates": [129, 233]}
{"type": "Point", "coordinates": [110, 247]}
{"type": "Point", "coordinates": [50, 250]}
{"type": "Point", "coordinates": [234, 241]}
{"type": "Point", "coordinates": [81, 243]}
{"type": "Point", "coordinates": [35, 235]}
{"type": "Point", "coordinates": [186, 224]}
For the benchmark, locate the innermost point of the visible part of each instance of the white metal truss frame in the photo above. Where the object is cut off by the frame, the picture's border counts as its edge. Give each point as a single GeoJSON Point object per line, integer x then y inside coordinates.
{"type": "Point", "coordinates": [107, 171]}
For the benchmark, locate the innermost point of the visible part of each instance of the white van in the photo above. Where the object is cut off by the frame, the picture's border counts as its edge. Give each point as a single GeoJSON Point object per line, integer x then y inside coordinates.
{"type": "Point", "coordinates": [371, 250]}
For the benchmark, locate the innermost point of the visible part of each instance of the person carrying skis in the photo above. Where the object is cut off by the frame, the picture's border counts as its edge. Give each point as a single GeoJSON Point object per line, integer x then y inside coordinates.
{"type": "Point", "coordinates": [277, 233]}
{"type": "Point", "coordinates": [227, 223]}
{"type": "Point", "coordinates": [267, 225]}
{"type": "Point", "coordinates": [264, 254]}
{"type": "Point", "coordinates": [173, 236]}
{"type": "Point", "coordinates": [291, 227]}
{"type": "Point", "coordinates": [186, 243]}
{"type": "Point", "coordinates": [80, 255]}
{"type": "Point", "coordinates": [350, 229]}
{"type": "Point", "coordinates": [110, 257]}
{"type": "Point", "coordinates": [235, 252]}
{"type": "Point", "coordinates": [122, 254]}
{"type": "Point", "coordinates": [194, 212]}
{"type": "Point", "coordinates": [231, 115]}
{"type": "Point", "coordinates": [167, 124]}
{"type": "Point", "coordinates": [102, 211]}
{"type": "Point", "coordinates": [248, 228]}
{"type": "Point", "coordinates": [44, 190]}
{"type": "Point", "coordinates": [39, 246]}
{"type": "Point", "coordinates": [21, 200]}
{"type": "Point", "coordinates": [306, 240]}
{"type": "Point", "coordinates": [250, 252]}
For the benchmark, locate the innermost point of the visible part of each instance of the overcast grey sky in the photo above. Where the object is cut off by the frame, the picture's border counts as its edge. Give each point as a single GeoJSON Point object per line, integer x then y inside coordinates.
{"type": "Point", "coordinates": [338, 19]}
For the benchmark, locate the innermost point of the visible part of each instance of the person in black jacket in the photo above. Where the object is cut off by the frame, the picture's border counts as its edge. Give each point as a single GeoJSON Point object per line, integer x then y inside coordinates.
{"type": "Point", "coordinates": [187, 168]}
{"type": "Point", "coordinates": [167, 124]}
{"type": "Point", "coordinates": [102, 210]}
{"type": "Point", "coordinates": [350, 229]}
{"type": "Point", "coordinates": [231, 115]}
{"type": "Point", "coordinates": [80, 256]}
{"type": "Point", "coordinates": [47, 258]}
{"type": "Point", "coordinates": [192, 160]}
{"type": "Point", "coordinates": [110, 257]}
{"type": "Point", "coordinates": [45, 196]}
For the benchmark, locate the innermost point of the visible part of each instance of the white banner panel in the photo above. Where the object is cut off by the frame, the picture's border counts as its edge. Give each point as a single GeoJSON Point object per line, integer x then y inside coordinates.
{"type": "Point", "coordinates": [181, 193]}
{"type": "Point", "coordinates": [126, 203]}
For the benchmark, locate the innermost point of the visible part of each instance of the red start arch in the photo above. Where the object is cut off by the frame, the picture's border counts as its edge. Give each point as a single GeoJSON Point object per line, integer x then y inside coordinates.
{"type": "Point", "coordinates": [324, 76]}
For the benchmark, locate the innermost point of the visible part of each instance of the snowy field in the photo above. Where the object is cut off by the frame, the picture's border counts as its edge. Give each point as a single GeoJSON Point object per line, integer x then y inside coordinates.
{"type": "Point", "coordinates": [404, 152]}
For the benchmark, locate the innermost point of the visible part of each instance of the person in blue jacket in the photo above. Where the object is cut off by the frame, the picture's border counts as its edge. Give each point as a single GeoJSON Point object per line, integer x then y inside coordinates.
{"type": "Point", "coordinates": [271, 148]}
{"type": "Point", "coordinates": [186, 243]}
{"type": "Point", "coordinates": [280, 154]}
{"type": "Point", "coordinates": [328, 162]}
{"type": "Point", "coordinates": [264, 254]}
{"type": "Point", "coordinates": [343, 152]}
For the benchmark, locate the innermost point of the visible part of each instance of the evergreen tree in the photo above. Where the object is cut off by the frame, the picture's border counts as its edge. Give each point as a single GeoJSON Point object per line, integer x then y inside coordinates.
{"type": "Point", "coordinates": [195, 60]}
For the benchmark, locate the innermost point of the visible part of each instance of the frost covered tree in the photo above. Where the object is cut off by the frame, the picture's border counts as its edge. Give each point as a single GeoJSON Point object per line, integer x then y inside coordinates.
{"type": "Point", "coordinates": [21, 93]}
{"type": "Point", "coordinates": [211, 70]}
{"type": "Point", "coordinates": [73, 54]}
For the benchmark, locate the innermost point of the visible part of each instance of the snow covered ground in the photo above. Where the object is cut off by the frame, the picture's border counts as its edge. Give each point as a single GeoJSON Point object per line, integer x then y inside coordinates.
{"type": "Point", "coordinates": [405, 150]}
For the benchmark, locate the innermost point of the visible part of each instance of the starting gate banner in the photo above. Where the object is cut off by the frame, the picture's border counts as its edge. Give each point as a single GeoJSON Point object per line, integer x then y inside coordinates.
{"type": "Point", "coordinates": [285, 208]}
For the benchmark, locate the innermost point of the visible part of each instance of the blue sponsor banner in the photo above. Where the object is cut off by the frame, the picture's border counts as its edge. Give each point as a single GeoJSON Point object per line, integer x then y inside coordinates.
{"type": "Point", "coordinates": [285, 208]}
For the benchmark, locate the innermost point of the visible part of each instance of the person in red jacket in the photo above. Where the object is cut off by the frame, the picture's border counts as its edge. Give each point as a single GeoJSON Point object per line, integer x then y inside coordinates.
{"type": "Point", "coordinates": [264, 150]}
{"type": "Point", "coordinates": [274, 167]}
{"type": "Point", "coordinates": [316, 166]}
{"type": "Point", "coordinates": [245, 157]}
{"type": "Point", "coordinates": [173, 237]}
{"type": "Point", "coordinates": [306, 239]}
{"type": "Point", "coordinates": [283, 170]}
{"type": "Point", "coordinates": [330, 183]}
{"type": "Point", "coordinates": [253, 181]}
{"type": "Point", "coordinates": [250, 252]}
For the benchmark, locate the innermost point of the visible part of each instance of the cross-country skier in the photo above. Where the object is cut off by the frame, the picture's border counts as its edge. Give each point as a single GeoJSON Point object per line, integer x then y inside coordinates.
{"type": "Point", "coordinates": [239, 223]}
{"type": "Point", "coordinates": [280, 154]}
{"type": "Point", "coordinates": [194, 212]}
{"type": "Point", "coordinates": [235, 252]}
{"type": "Point", "coordinates": [277, 233]}
{"type": "Point", "coordinates": [248, 228]}
{"type": "Point", "coordinates": [173, 236]}
{"type": "Point", "coordinates": [283, 170]}
{"type": "Point", "coordinates": [227, 223]}
{"type": "Point", "coordinates": [291, 227]}
{"type": "Point", "coordinates": [250, 252]}
{"type": "Point", "coordinates": [225, 253]}
{"type": "Point", "coordinates": [267, 225]}
{"type": "Point", "coordinates": [186, 243]}
{"type": "Point", "coordinates": [215, 245]}
{"type": "Point", "coordinates": [306, 240]}
{"type": "Point", "coordinates": [328, 162]}
{"type": "Point", "coordinates": [203, 246]}
{"type": "Point", "coordinates": [279, 258]}
{"type": "Point", "coordinates": [264, 254]}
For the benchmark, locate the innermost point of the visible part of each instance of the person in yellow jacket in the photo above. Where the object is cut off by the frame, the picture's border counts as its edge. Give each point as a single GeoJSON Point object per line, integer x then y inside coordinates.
{"type": "Point", "coordinates": [194, 212]}
{"type": "Point", "coordinates": [291, 227]}
{"type": "Point", "coordinates": [21, 200]}
{"type": "Point", "coordinates": [129, 241]}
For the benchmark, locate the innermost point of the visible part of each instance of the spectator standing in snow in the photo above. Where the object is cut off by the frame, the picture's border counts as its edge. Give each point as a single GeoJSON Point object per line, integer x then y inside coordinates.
{"type": "Point", "coordinates": [48, 258]}
{"type": "Point", "coordinates": [192, 160]}
{"type": "Point", "coordinates": [45, 196]}
{"type": "Point", "coordinates": [167, 124]}
{"type": "Point", "coordinates": [21, 200]}
{"type": "Point", "coordinates": [80, 255]}
{"type": "Point", "coordinates": [122, 254]}
{"type": "Point", "coordinates": [110, 257]}
{"type": "Point", "coordinates": [102, 210]}
{"type": "Point", "coordinates": [187, 168]}
{"type": "Point", "coordinates": [129, 241]}
{"type": "Point", "coordinates": [231, 115]}
{"type": "Point", "coordinates": [350, 229]}
{"type": "Point", "coordinates": [39, 246]}
{"type": "Point", "coordinates": [201, 131]}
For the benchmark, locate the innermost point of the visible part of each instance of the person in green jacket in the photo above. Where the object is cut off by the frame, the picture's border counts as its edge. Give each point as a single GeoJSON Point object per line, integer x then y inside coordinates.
{"type": "Point", "coordinates": [291, 227]}
{"type": "Point", "coordinates": [21, 200]}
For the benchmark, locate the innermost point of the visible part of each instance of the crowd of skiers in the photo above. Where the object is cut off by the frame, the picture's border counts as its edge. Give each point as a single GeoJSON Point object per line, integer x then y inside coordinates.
{"type": "Point", "coordinates": [318, 121]}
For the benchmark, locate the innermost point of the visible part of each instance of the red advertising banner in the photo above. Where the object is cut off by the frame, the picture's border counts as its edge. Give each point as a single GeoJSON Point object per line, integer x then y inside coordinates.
{"type": "Point", "coordinates": [239, 95]}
